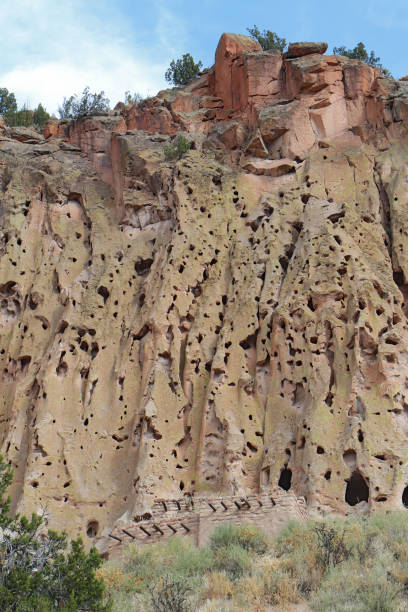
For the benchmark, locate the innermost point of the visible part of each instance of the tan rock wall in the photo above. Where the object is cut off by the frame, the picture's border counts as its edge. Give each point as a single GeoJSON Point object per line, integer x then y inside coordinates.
{"type": "Point", "coordinates": [222, 325]}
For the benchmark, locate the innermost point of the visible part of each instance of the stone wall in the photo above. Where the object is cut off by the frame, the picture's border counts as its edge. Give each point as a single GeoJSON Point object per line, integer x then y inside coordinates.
{"type": "Point", "coordinates": [197, 518]}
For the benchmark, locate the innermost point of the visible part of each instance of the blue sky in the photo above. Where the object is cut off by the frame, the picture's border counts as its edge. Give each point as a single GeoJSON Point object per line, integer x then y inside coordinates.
{"type": "Point", "coordinates": [52, 49]}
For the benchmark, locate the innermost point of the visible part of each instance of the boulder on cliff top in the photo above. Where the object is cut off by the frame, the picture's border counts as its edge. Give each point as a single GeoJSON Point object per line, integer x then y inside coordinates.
{"type": "Point", "coordinates": [299, 49]}
{"type": "Point", "coordinates": [232, 45]}
{"type": "Point", "coordinates": [229, 48]}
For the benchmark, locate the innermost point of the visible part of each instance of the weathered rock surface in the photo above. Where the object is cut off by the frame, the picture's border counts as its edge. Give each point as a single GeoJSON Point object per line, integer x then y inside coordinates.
{"type": "Point", "coordinates": [229, 324]}
{"type": "Point", "coordinates": [298, 49]}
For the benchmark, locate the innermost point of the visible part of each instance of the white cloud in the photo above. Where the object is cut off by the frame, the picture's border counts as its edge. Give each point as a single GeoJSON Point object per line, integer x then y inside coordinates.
{"type": "Point", "coordinates": [48, 83]}
{"type": "Point", "coordinates": [51, 50]}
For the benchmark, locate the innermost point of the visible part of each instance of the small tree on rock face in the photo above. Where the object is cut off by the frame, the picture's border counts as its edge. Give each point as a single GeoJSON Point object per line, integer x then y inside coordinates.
{"type": "Point", "coordinates": [360, 53]}
{"type": "Point", "coordinates": [178, 148]}
{"type": "Point", "coordinates": [182, 71]}
{"type": "Point", "coordinates": [267, 39]}
{"type": "Point", "coordinates": [87, 105]}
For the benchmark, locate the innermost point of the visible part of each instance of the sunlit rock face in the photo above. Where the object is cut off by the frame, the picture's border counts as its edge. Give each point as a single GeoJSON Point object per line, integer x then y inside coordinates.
{"type": "Point", "coordinates": [230, 323]}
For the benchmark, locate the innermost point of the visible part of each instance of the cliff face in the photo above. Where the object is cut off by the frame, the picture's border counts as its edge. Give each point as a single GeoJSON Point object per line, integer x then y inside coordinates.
{"type": "Point", "coordinates": [228, 324]}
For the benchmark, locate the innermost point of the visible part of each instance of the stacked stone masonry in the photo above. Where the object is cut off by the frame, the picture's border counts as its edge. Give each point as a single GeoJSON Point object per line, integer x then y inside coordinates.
{"type": "Point", "coordinates": [197, 518]}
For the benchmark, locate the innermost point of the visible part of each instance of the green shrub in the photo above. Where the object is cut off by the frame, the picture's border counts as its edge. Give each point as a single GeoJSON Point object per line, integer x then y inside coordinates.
{"type": "Point", "coordinates": [357, 589]}
{"type": "Point", "coordinates": [8, 103]}
{"type": "Point", "coordinates": [357, 564]}
{"type": "Point", "coordinates": [86, 105]}
{"type": "Point", "coordinates": [279, 588]}
{"type": "Point", "coordinates": [40, 116]}
{"type": "Point", "coordinates": [360, 53]}
{"type": "Point", "coordinates": [182, 71]}
{"type": "Point", "coordinates": [177, 149]}
{"type": "Point", "coordinates": [332, 548]}
{"type": "Point", "coordinates": [133, 98]}
{"type": "Point", "coordinates": [297, 549]}
{"type": "Point", "coordinates": [267, 39]}
{"type": "Point", "coordinates": [232, 559]}
{"type": "Point", "coordinates": [25, 117]}
{"type": "Point", "coordinates": [20, 118]}
{"type": "Point", "coordinates": [178, 556]}
{"type": "Point", "coordinates": [38, 571]}
{"type": "Point", "coordinates": [249, 537]}
{"type": "Point", "coordinates": [170, 594]}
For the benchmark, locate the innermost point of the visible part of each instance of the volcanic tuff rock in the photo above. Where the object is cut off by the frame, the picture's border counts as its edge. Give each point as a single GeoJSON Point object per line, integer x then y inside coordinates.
{"type": "Point", "coordinates": [229, 323]}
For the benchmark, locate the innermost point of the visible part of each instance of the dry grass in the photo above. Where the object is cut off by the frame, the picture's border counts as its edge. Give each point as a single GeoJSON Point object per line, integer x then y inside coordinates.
{"type": "Point", "coordinates": [359, 564]}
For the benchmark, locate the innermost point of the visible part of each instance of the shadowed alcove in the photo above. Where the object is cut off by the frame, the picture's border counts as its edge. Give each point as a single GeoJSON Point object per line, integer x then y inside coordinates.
{"type": "Point", "coordinates": [357, 489]}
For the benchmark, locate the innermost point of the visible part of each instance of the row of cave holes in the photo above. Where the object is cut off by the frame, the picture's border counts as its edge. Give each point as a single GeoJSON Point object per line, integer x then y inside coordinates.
{"type": "Point", "coordinates": [357, 489]}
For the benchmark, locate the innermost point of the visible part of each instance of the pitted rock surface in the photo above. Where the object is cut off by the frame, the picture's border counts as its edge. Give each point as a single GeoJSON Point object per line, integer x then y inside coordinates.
{"type": "Point", "coordinates": [232, 323]}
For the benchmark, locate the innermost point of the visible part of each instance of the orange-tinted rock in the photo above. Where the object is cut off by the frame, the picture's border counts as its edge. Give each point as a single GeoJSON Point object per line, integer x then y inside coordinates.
{"type": "Point", "coordinates": [56, 129]}
{"type": "Point", "coordinates": [231, 133]}
{"type": "Point", "coordinates": [325, 97]}
{"type": "Point", "coordinates": [311, 74]}
{"type": "Point", "coordinates": [299, 49]}
{"type": "Point", "coordinates": [186, 103]}
{"type": "Point", "coordinates": [211, 102]}
{"type": "Point", "coordinates": [404, 78]}
{"type": "Point", "coordinates": [151, 116]}
{"type": "Point", "coordinates": [255, 80]}
{"type": "Point", "coordinates": [358, 79]}
{"type": "Point", "coordinates": [230, 48]}
{"type": "Point", "coordinates": [256, 146]}
{"type": "Point", "coordinates": [94, 136]}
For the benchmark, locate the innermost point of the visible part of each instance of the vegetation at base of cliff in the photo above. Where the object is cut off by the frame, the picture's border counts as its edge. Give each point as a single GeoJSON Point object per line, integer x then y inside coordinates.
{"type": "Point", "coordinates": [358, 564]}
{"type": "Point", "coordinates": [85, 105]}
{"type": "Point", "coordinates": [182, 71]}
{"type": "Point", "coordinates": [177, 149]}
{"type": "Point", "coordinates": [39, 571]}
{"type": "Point", "coordinates": [360, 53]}
{"type": "Point", "coordinates": [267, 39]}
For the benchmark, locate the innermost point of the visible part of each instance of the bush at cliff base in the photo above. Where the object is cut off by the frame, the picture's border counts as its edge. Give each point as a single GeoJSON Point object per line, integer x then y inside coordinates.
{"type": "Point", "coordinates": [39, 571]}
{"type": "Point", "coordinates": [357, 564]}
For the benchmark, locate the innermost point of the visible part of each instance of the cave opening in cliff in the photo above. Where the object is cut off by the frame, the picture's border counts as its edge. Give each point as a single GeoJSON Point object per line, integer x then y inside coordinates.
{"type": "Point", "coordinates": [405, 497]}
{"type": "Point", "coordinates": [92, 529]}
{"type": "Point", "coordinates": [357, 489]}
{"type": "Point", "coordinates": [285, 479]}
